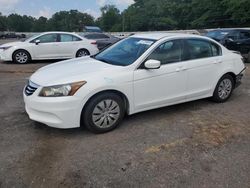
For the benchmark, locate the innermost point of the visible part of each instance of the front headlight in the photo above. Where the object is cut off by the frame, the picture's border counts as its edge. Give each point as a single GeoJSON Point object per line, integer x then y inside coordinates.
{"type": "Point", "coordinates": [61, 90]}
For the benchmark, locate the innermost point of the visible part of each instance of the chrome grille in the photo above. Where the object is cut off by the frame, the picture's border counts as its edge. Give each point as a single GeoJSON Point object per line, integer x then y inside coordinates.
{"type": "Point", "coordinates": [30, 88]}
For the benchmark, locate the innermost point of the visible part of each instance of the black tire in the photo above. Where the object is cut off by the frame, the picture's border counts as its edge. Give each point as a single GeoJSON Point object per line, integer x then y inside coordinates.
{"type": "Point", "coordinates": [89, 113]}
{"type": "Point", "coordinates": [222, 94]}
{"type": "Point", "coordinates": [82, 53]}
{"type": "Point", "coordinates": [21, 57]}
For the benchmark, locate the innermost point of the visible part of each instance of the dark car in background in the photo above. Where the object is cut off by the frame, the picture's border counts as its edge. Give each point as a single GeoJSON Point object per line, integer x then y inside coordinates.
{"type": "Point", "coordinates": [233, 39]}
{"type": "Point", "coordinates": [11, 35]}
{"type": "Point", "coordinates": [91, 29]}
{"type": "Point", "coordinates": [102, 40]}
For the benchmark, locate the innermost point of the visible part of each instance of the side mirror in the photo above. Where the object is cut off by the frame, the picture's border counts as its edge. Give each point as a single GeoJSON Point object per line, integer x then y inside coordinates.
{"type": "Point", "coordinates": [37, 42]}
{"type": "Point", "coordinates": [152, 64]}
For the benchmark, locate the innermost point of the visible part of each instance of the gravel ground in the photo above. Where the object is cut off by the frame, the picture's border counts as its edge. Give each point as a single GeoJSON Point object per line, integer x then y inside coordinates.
{"type": "Point", "coordinates": [196, 144]}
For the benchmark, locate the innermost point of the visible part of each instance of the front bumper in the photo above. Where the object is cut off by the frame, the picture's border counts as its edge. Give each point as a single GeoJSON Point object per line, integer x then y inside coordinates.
{"type": "Point", "coordinates": [239, 77]}
{"type": "Point", "coordinates": [58, 112]}
{"type": "Point", "coordinates": [5, 55]}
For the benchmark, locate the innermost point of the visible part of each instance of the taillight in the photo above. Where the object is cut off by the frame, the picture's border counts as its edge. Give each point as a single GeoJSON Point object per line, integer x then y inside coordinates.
{"type": "Point", "coordinates": [94, 42]}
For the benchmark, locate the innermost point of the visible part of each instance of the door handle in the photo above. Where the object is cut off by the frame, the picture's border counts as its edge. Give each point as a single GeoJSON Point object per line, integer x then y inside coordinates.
{"type": "Point", "coordinates": [179, 69]}
{"type": "Point", "coordinates": [217, 61]}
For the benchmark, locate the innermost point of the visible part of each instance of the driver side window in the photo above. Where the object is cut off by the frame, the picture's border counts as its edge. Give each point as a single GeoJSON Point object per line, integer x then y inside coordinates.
{"type": "Point", "coordinates": [48, 38]}
{"type": "Point", "coordinates": [168, 52]}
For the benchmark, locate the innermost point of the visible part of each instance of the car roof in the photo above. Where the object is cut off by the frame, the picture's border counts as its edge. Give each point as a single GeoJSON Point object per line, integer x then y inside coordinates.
{"type": "Point", "coordinates": [158, 36]}
{"type": "Point", "coordinates": [92, 27]}
{"type": "Point", "coordinates": [95, 33]}
{"type": "Point", "coordinates": [232, 29]}
{"type": "Point", "coordinates": [60, 32]}
{"type": "Point", "coordinates": [52, 32]}
{"type": "Point", "coordinates": [221, 30]}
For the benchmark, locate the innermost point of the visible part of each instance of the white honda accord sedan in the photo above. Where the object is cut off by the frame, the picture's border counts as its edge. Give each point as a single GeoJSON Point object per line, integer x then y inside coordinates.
{"type": "Point", "coordinates": [140, 73]}
{"type": "Point", "coordinates": [49, 45]}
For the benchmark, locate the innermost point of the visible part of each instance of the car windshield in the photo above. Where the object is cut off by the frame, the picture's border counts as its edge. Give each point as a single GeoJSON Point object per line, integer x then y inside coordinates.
{"type": "Point", "coordinates": [125, 52]}
{"type": "Point", "coordinates": [217, 34]}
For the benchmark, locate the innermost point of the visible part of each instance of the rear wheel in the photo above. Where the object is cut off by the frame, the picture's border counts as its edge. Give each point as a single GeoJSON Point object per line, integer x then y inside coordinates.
{"type": "Point", "coordinates": [21, 57]}
{"type": "Point", "coordinates": [104, 113]}
{"type": "Point", "coordinates": [82, 53]}
{"type": "Point", "coordinates": [224, 89]}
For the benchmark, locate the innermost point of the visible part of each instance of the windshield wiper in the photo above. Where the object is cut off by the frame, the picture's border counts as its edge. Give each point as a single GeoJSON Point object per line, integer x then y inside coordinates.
{"type": "Point", "coordinates": [103, 60]}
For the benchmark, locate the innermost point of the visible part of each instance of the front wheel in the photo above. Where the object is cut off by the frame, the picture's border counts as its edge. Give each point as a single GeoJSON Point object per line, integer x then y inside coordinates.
{"type": "Point", "coordinates": [224, 89]}
{"type": "Point", "coordinates": [104, 113]}
{"type": "Point", "coordinates": [21, 57]}
{"type": "Point", "coordinates": [82, 53]}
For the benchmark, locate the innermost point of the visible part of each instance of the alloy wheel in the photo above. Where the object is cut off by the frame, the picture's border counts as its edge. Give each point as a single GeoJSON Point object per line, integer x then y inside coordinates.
{"type": "Point", "coordinates": [82, 53]}
{"type": "Point", "coordinates": [21, 57]}
{"type": "Point", "coordinates": [225, 88]}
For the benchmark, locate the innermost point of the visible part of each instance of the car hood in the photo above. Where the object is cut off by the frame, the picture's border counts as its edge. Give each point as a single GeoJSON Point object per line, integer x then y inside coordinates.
{"type": "Point", "coordinates": [69, 71]}
{"type": "Point", "coordinates": [12, 44]}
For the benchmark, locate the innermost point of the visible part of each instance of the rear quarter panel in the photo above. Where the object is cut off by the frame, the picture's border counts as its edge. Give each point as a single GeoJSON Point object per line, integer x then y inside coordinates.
{"type": "Point", "coordinates": [232, 63]}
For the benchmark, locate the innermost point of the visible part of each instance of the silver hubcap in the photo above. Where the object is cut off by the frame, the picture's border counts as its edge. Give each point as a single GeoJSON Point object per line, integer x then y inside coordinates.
{"type": "Point", "coordinates": [106, 113]}
{"type": "Point", "coordinates": [82, 53]}
{"type": "Point", "coordinates": [225, 88]}
{"type": "Point", "coordinates": [21, 57]}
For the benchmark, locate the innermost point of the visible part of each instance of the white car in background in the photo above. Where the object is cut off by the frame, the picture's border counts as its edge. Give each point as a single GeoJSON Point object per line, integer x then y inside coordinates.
{"type": "Point", "coordinates": [139, 73]}
{"type": "Point", "coordinates": [49, 45]}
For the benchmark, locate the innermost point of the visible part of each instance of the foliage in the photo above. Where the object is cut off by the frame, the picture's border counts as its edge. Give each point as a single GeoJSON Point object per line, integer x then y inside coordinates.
{"type": "Point", "coordinates": [110, 19]}
{"type": "Point", "coordinates": [69, 21]}
{"type": "Point", "coordinates": [143, 15]}
{"type": "Point", "coordinates": [72, 20]}
{"type": "Point", "coordinates": [149, 15]}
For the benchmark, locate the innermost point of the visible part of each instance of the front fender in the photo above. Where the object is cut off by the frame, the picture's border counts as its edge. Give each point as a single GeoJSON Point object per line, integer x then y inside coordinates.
{"type": "Point", "coordinates": [95, 87]}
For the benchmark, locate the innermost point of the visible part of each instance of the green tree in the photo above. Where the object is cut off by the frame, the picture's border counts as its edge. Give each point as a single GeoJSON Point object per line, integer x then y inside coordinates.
{"type": "Point", "coordinates": [3, 22]}
{"type": "Point", "coordinates": [208, 13]}
{"type": "Point", "coordinates": [72, 20]}
{"type": "Point", "coordinates": [143, 15]}
{"type": "Point", "coordinates": [19, 23]}
{"type": "Point", "coordinates": [110, 19]}
{"type": "Point", "coordinates": [14, 22]}
{"type": "Point", "coordinates": [239, 11]}
{"type": "Point", "coordinates": [40, 25]}
{"type": "Point", "coordinates": [146, 15]}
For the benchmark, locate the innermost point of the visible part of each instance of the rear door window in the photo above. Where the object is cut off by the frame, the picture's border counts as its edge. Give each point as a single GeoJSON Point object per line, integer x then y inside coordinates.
{"type": "Point", "coordinates": [68, 38]}
{"type": "Point", "coordinates": [198, 48]}
{"type": "Point", "coordinates": [102, 36]}
{"type": "Point", "coordinates": [244, 35]}
{"type": "Point", "coordinates": [96, 36]}
{"type": "Point", "coordinates": [89, 36]}
{"type": "Point", "coordinates": [216, 49]}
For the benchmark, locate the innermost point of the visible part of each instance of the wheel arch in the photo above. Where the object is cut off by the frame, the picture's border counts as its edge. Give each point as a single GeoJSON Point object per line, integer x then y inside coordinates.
{"type": "Point", "coordinates": [82, 49]}
{"type": "Point", "coordinates": [113, 91]}
{"type": "Point", "coordinates": [20, 49]}
{"type": "Point", "coordinates": [231, 73]}
{"type": "Point", "coordinates": [233, 76]}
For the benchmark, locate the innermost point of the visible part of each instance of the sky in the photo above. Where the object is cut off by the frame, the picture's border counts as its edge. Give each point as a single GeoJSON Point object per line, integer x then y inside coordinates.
{"type": "Point", "coordinates": [47, 8]}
